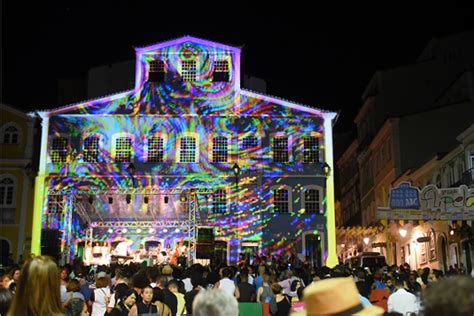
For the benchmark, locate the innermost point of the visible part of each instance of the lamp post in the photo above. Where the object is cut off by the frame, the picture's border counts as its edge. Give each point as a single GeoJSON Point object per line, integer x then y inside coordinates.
{"type": "Point", "coordinates": [131, 171]}
{"type": "Point", "coordinates": [236, 170]}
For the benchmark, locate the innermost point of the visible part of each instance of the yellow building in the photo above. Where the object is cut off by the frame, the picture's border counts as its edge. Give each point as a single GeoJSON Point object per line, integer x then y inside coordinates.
{"type": "Point", "coordinates": [17, 147]}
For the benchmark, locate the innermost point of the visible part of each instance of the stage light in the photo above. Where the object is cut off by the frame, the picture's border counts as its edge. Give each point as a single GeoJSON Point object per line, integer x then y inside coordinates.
{"type": "Point", "coordinates": [139, 230]}
{"type": "Point", "coordinates": [166, 200]}
{"type": "Point", "coordinates": [91, 199]}
{"type": "Point", "coordinates": [145, 200]}
{"type": "Point", "coordinates": [183, 198]}
{"type": "Point", "coordinates": [111, 200]}
{"type": "Point", "coordinates": [151, 230]}
{"type": "Point", "coordinates": [129, 198]}
{"type": "Point", "coordinates": [124, 230]}
{"type": "Point", "coordinates": [165, 230]}
{"type": "Point", "coordinates": [176, 230]}
{"type": "Point", "coordinates": [110, 231]}
{"type": "Point", "coordinates": [366, 240]}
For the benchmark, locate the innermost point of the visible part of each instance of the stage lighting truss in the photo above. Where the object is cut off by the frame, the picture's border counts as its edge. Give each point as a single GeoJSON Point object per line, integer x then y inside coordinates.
{"type": "Point", "coordinates": [187, 195]}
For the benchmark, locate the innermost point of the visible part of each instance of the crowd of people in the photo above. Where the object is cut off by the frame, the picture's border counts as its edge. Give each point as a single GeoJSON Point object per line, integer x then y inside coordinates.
{"type": "Point", "coordinates": [41, 287]}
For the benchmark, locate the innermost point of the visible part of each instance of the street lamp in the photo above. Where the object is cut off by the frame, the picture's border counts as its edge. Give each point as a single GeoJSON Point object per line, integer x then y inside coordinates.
{"type": "Point", "coordinates": [236, 170]}
{"type": "Point", "coordinates": [366, 240]}
{"type": "Point", "coordinates": [326, 169]}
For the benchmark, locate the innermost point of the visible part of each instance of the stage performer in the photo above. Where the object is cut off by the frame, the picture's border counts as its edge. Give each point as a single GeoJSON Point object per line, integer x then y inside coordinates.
{"type": "Point", "coordinates": [122, 248]}
{"type": "Point", "coordinates": [105, 250]}
{"type": "Point", "coordinates": [88, 253]}
{"type": "Point", "coordinates": [96, 253]}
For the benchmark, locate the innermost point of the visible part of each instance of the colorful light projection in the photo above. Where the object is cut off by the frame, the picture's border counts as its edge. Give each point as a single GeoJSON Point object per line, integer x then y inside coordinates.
{"type": "Point", "coordinates": [202, 109]}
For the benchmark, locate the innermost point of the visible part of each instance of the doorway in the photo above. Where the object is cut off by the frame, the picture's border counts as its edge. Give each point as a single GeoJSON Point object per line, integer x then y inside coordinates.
{"type": "Point", "coordinates": [466, 249]}
{"type": "Point", "coordinates": [312, 249]}
{"type": "Point", "coordinates": [5, 251]}
{"type": "Point", "coordinates": [444, 254]}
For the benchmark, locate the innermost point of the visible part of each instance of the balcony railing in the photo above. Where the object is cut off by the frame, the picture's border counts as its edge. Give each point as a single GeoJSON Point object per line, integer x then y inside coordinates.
{"type": "Point", "coordinates": [467, 178]}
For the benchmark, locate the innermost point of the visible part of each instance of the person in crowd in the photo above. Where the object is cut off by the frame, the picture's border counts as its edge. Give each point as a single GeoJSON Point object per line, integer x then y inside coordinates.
{"type": "Point", "coordinates": [362, 284]}
{"type": "Point", "coordinates": [158, 299]}
{"type": "Point", "coordinates": [5, 300]}
{"type": "Point", "coordinates": [37, 293]}
{"type": "Point", "coordinates": [401, 300]}
{"type": "Point", "coordinates": [245, 292]}
{"type": "Point", "coordinates": [265, 294]}
{"type": "Point", "coordinates": [282, 300]}
{"type": "Point", "coordinates": [64, 279]}
{"type": "Point", "coordinates": [389, 284]}
{"type": "Point", "coordinates": [5, 281]}
{"type": "Point", "coordinates": [170, 299]}
{"type": "Point", "coordinates": [15, 274]}
{"type": "Point", "coordinates": [100, 297]}
{"type": "Point", "coordinates": [258, 280]}
{"type": "Point", "coordinates": [173, 286]}
{"type": "Point", "coordinates": [215, 302]}
{"type": "Point", "coordinates": [145, 306]}
{"type": "Point", "coordinates": [226, 283]}
{"type": "Point", "coordinates": [73, 288]}
{"type": "Point", "coordinates": [451, 296]}
{"type": "Point", "coordinates": [76, 307]}
{"type": "Point", "coordinates": [126, 298]}
{"type": "Point", "coordinates": [197, 282]}
{"type": "Point", "coordinates": [298, 306]}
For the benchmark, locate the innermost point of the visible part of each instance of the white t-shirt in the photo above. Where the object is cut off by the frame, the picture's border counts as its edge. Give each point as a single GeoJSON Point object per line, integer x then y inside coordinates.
{"type": "Point", "coordinates": [402, 302]}
{"type": "Point", "coordinates": [101, 297]}
{"type": "Point", "coordinates": [227, 285]}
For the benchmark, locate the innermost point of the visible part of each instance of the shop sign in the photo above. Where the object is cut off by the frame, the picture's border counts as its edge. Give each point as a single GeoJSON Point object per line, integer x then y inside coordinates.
{"type": "Point", "coordinates": [430, 203]}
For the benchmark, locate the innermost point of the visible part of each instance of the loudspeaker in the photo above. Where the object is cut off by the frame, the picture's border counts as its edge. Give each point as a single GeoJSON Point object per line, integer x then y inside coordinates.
{"type": "Point", "coordinates": [51, 243]}
{"type": "Point", "coordinates": [205, 243]}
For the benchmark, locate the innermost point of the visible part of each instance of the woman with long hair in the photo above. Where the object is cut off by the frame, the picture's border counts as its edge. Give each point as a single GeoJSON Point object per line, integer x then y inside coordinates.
{"type": "Point", "coordinates": [37, 293]}
{"type": "Point", "coordinates": [126, 300]}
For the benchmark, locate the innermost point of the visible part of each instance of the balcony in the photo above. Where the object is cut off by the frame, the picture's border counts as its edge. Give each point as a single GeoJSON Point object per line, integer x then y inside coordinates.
{"type": "Point", "coordinates": [467, 179]}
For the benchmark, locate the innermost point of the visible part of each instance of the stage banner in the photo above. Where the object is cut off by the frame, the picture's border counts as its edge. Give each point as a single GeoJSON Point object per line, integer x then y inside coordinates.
{"type": "Point", "coordinates": [429, 203]}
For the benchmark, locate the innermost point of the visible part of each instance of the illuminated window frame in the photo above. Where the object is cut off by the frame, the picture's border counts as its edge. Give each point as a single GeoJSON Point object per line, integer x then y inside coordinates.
{"type": "Point", "coordinates": [219, 201]}
{"type": "Point", "coordinates": [312, 207]}
{"type": "Point", "coordinates": [288, 208]}
{"type": "Point", "coordinates": [92, 155]}
{"type": "Point", "coordinates": [59, 154]}
{"type": "Point", "coordinates": [116, 138]}
{"type": "Point", "coordinates": [288, 150]}
{"type": "Point", "coordinates": [10, 134]}
{"type": "Point", "coordinates": [196, 148]}
{"type": "Point", "coordinates": [311, 152]}
{"type": "Point", "coordinates": [220, 149]}
{"type": "Point", "coordinates": [160, 152]}
{"type": "Point", "coordinates": [221, 71]}
{"type": "Point", "coordinates": [157, 70]}
{"type": "Point", "coordinates": [188, 70]}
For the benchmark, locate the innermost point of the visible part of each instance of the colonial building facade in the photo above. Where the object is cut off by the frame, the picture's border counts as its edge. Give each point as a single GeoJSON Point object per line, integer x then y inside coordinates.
{"type": "Point", "coordinates": [255, 168]}
{"type": "Point", "coordinates": [17, 167]}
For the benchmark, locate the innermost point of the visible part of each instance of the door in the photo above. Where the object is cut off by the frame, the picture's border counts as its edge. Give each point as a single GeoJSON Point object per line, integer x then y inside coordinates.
{"type": "Point", "coordinates": [313, 249]}
{"type": "Point", "coordinates": [467, 255]}
{"type": "Point", "coordinates": [5, 250]}
{"type": "Point", "coordinates": [444, 255]}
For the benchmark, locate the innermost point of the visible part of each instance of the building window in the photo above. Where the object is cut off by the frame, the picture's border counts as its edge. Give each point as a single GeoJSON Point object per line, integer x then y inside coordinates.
{"type": "Point", "coordinates": [56, 204]}
{"type": "Point", "coordinates": [187, 149]}
{"type": "Point", "coordinates": [281, 201]}
{"type": "Point", "coordinates": [280, 149]}
{"type": "Point", "coordinates": [221, 71]}
{"type": "Point", "coordinates": [10, 135]}
{"type": "Point", "coordinates": [219, 201]}
{"type": "Point", "coordinates": [155, 149]}
{"type": "Point", "coordinates": [91, 148]}
{"type": "Point", "coordinates": [312, 201]}
{"type": "Point", "coordinates": [219, 149]}
{"type": "Point", "coordinates": [311, 149]}
{"type": "Point", "coordinates": [249, 143]}
{"type": "Point", "coordinates": [157, 71]}
{"type": "Point", "coordinates": [188, 71]}
{"type": "Point", "coordinates": [7, 190]}
{"type": "Point", "coordinates": [123, 149]}
{"type": "Point", "coordinates": [59, 150]}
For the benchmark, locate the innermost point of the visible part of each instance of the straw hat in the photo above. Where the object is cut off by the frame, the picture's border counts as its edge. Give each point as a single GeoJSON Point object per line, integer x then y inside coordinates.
{"type": "Point", "coordinates": [167, 270]}
{"type": "Point", "coordinates": [337, 296]}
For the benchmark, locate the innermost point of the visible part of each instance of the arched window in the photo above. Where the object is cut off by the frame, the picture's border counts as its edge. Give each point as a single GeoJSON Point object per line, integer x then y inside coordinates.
{"type": "Point", "coordinates": [188, 148]}
{"type": "Point", "coordinates": [220, 149]}
{"type": "Point", "coordinates": [91, 150]}
{"type": "Point", "coordinates": [7, 190]}
{"type": "Point", "coordinates": [123, 147]}
{"type": "Point", "coordinates": [219, 201]}
{"type": "Point", "coordinates": [312, 199]}
{"type": "Point", "coordinates": [281, 199]}
{"type": "Point", "coordinates": [10, 134]}
{"type": "Point", "coordinates": [432, 245]}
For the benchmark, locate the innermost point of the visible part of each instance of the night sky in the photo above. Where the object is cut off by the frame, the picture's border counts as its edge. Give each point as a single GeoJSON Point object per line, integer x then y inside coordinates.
{"type": "Point", "coordinates": [322, 57]}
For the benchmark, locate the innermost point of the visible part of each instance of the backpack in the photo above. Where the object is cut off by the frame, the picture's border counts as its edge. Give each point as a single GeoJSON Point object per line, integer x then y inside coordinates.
{"type": "Point", "coordinates": [268, 297]}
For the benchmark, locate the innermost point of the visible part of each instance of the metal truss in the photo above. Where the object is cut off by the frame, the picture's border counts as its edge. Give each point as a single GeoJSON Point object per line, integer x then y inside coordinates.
{"type": "Point", "coordinates": [72, 203]}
